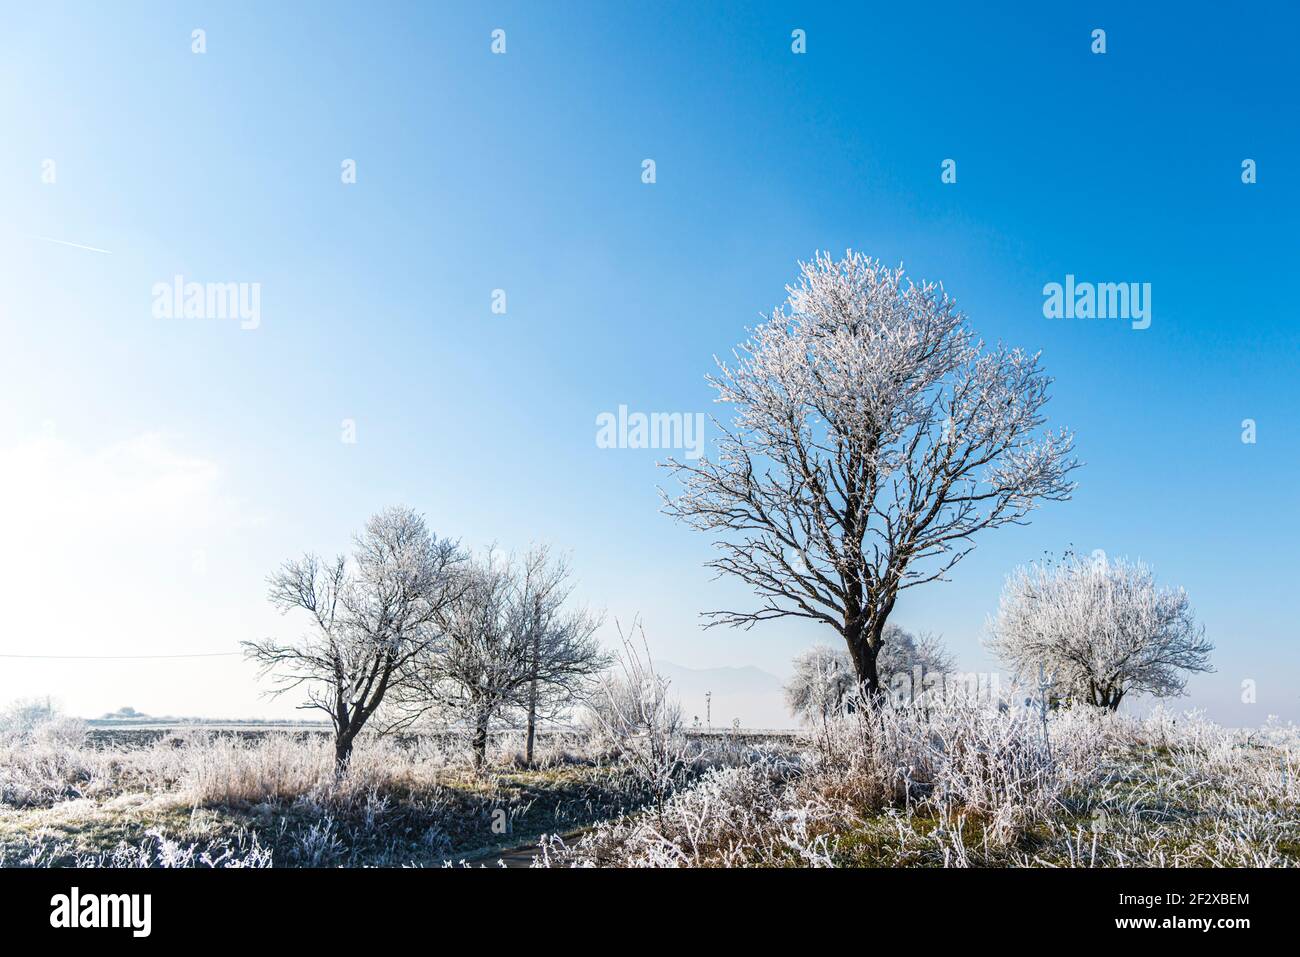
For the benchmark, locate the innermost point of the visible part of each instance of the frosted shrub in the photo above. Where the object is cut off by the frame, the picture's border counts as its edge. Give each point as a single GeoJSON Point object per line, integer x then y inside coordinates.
{"type": "Point", "coordinates": [950, 783]}
{"type": "Point", "coordinates": [633, 715]}
{"type": "Point", "coordinates": [230, 770]}
{"type": "Point", "coordinates": [40, 723]}
{"type": "Point", "coordinates": [43, 757]}
{"type": "Point", "coordinates": [156, 850]}
{"type": "Point", "coordinates": [968, 786]}
{"type": "Point", "coordinates": [730, 815]}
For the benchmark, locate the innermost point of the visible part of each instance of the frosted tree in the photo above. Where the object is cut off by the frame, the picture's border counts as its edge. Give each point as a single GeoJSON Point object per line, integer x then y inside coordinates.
{"type": "Point", "coordinates": [473, 673]}
{"type": "Point", "coordinates": [508, 642]}
{"type": "Point", "coordinates": [562, 654]}
{"type": "Point", "coordinates": [370, 617]}
{"type": "Point", "coordinates": [873, 438]}
{"type": "Point", "coordinates": [904, 653]}
{"type": "Point", "coordinates": [1099, 629]}
{"type": "Point", "coordinates": [825, 683]}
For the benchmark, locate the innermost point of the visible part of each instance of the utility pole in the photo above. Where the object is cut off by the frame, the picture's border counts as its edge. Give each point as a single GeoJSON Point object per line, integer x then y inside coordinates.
{"type": "Point", "coordinates": [708, 710]}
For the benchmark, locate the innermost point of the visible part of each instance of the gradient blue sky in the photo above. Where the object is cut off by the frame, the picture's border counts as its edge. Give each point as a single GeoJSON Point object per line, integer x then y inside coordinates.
{"type": "Point", "coordinates": [152, 473]}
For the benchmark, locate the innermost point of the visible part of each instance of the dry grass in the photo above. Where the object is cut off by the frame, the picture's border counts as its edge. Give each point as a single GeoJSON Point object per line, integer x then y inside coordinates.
{"type": "Point", "coordinates": [972, 787]}
{"type": "Point", "coordinates": [954, 786]}
{"type": "Point", "coordinates": [219, 799]}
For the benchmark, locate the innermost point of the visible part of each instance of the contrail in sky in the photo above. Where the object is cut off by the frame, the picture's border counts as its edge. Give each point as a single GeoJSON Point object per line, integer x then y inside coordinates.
{"type": "Point", "coordinates": [64, 242]}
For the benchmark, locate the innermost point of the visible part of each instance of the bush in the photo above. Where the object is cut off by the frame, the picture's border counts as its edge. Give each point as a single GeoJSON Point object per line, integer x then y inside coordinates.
{"type": "Point", "coordinates": [40, 722]}
{"type": "Point", "coordinates": [968, 786]}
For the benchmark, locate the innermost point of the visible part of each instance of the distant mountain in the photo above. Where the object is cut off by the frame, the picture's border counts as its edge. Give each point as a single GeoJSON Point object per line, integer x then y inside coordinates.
{"type": "Point", "coordinates": [751, 694]}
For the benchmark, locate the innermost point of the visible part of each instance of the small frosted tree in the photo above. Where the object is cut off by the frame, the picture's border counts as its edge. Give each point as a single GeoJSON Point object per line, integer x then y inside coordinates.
{"type": "Point", "coordinates": [1100, 630]}
{"type": "Point", "coordinates": [370, 617]}
{"type": "Point", "coordinates": [825, 684]}
{"type": "Point", "coordinates": [473, 672]}
{"type": "Point", "coordinates": [562, 656]}
{"type": "Point", "coordinates": [822, 685]}
{"type": "Point", "coordinates": [903, 653]}
{"type": "Point", "coordinates": [508, 642]}
{"type": "Point", "coordinates": [873, 438]}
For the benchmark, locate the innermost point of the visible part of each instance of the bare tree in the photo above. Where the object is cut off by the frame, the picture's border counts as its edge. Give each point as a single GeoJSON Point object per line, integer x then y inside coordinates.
{"type": "Point", "coordinates": [562, 656]}
{"type": "Point", "coordinates": [903, 653]}
{"type": "Point", "coordinates": [822, 685]}
{"type": "Point", "coordinates": [506, 643]}
{"type": "Point", "coordinates": [370, 618]}
{"type": "Point", "coordinates": [1099, 630]}
{"type": "Point", "coordinates": [873, 438]}
{"type": "Point", "coordinates": [473, 672]}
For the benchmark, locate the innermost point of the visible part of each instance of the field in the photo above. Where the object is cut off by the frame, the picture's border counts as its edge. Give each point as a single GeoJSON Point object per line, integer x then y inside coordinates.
{"type": "Point", "coordinates": [952, 786]}
{"type": "Point", "coordinates": [252, 797]}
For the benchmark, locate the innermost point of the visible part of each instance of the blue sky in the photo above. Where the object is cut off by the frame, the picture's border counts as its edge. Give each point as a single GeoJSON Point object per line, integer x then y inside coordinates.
{"type": "Point", "coordinates": [152, 472]}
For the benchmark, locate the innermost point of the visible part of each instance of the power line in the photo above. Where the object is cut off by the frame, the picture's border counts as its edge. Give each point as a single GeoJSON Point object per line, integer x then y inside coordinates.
{"type": "Point", "coordinates": [212, 654]}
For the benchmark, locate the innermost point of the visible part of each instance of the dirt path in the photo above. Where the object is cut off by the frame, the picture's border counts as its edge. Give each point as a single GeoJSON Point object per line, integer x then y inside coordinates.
{"type": "Point", "coordinates": [520, 856]}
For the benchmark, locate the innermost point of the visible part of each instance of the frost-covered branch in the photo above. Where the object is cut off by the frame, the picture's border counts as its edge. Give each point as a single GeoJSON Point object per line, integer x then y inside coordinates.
{"type": "Point", "coordinates": [370, 618]}
{"type": "Point", "coordinates": [873, 437]}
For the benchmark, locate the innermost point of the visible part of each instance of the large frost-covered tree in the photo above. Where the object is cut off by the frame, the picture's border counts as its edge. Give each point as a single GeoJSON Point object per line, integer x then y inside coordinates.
{"type": "Point", "coordinates": [370, 618]}
{"type": "Point", "coordinates": [1100, 629]}
{"type": "Point", "coordinates": [873, 437]}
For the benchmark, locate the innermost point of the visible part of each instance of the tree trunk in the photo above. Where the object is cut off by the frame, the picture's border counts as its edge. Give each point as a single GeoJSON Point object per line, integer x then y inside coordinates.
{"type": "Point", "coordinates": [342, 750]}
{"type": "Point", "coordinates": [480, 742]}
{"type": "Point", "coordinates": [532, 722]}
{"type": "Point", "coordinates": [864, 657]}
